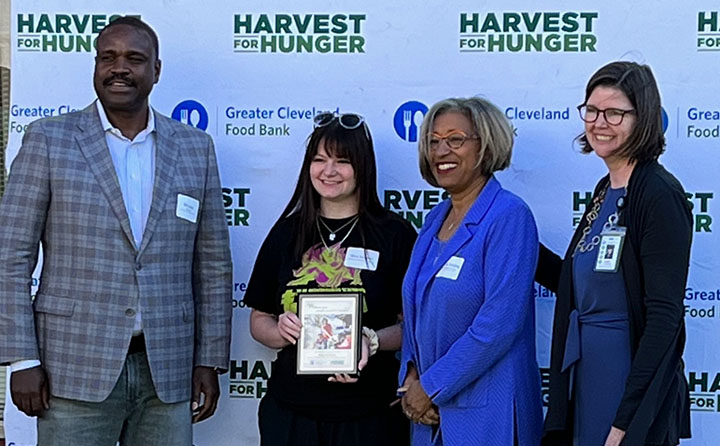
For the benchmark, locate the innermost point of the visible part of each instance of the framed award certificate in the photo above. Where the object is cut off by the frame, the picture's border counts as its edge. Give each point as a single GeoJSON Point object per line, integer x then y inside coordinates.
{"type": "Point", "coordinates": [330, 337]}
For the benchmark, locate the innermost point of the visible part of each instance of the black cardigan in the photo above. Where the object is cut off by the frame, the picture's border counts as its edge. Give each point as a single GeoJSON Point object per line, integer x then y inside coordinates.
{"type": "Point", "coordinates": [655, 408]}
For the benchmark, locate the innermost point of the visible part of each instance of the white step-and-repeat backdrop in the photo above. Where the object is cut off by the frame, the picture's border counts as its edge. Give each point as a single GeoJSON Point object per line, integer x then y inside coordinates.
{"type": "Point", "coordinates": [252, 74]}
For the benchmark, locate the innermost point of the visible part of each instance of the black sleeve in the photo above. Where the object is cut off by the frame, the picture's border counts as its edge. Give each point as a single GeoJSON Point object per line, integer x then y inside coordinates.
{"type": "Point", "coordinates": [547, 273]}
{"type": "Point", "coordinates": [261, 293]}
{"type": "Point", "coordinates": [665, 238]}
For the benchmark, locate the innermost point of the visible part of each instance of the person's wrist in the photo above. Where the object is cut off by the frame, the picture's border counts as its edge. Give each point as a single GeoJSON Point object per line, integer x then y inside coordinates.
{"type": "Point", "coordinates": [373, 340]}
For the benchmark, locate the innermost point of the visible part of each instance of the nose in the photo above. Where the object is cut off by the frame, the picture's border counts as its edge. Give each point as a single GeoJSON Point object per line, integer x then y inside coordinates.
{"type": "Point", "coordinates": [443, 148]}
{"type": "Point", "coordinates": [330, 168]}
{"type": "Point", "coordinates": [119, 65]}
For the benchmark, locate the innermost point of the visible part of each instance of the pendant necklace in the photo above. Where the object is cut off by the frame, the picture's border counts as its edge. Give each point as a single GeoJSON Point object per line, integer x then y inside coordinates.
{"type": "Point", "coordinates": [333, 233]}
{"type": "Point", "coordinates": [354, 222]}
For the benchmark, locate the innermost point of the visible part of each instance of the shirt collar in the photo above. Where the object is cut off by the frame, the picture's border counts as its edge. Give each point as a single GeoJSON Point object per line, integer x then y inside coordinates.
{"type": "Point", "coordinates": [108, 127]}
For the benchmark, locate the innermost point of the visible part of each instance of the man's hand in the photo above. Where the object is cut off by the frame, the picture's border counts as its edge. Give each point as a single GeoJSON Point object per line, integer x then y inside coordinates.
{"type": "Point", "coordinates": [205, 393]}
{"type": "Point", "coordinates": [29, 390]}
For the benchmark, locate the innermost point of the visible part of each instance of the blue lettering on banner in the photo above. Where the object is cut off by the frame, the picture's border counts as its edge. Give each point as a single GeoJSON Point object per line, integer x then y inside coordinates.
{"type": "Point", "coordinates": [538, 114]}
{"type": "Point", "coordinates": [706, 295]}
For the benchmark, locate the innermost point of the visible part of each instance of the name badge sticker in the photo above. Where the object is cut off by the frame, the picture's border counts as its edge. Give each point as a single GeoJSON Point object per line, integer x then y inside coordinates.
{"type": "Point", "coordinates": [608, 256]}
{"type": "Point", "coordinates": [187, 208]}
{"type": "Point", "coordinates": [451, 269]}
{"type": "Point", "coordinates": [362, 258]}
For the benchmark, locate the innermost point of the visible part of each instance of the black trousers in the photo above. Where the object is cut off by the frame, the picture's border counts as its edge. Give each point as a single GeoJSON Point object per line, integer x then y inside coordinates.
{"type": "Point", "coordinates": [280, 426]}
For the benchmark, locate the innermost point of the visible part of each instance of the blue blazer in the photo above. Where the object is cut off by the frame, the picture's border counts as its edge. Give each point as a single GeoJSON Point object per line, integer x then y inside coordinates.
{"type": "Point", "coordinates": [472, 339]}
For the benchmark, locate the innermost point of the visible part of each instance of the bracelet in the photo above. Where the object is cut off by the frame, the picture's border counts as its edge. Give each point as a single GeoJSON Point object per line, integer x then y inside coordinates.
{"type": "Point", "coordinates": [370, 334]}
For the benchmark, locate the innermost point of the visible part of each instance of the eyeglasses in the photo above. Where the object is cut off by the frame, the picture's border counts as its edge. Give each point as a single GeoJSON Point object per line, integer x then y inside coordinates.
{"type": "Point", "coordinates": [348, 121]}
{"type": "Point", "coordinates": [454, 140]}
{"type": "Point", "coordinates": [613, 116]}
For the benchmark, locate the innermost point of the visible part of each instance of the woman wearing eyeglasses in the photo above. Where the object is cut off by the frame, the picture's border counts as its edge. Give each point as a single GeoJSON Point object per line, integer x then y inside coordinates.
{"type": "Point", "coordinates": [616, 373]}
{"type": "Point", "coordinates": [334, 235]}
{"type": "Point", "coordinates": [468, 365]}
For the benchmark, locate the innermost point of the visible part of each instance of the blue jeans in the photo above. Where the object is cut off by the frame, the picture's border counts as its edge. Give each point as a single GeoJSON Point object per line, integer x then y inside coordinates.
{"type": "Point", "coordinates": [132, 415]}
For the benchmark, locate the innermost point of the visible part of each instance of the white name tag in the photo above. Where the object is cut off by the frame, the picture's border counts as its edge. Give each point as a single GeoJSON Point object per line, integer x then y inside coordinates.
{"type": "Point", "coordinates": [451, 269]}
{"type": "Point", "coordinates": [362, 258]}
{"type": "Point", "coordinates": [187, 208]}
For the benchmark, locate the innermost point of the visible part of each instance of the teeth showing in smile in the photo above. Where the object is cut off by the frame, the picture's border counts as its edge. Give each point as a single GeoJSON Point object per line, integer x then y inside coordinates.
{"type": "Point", "coordinates": [446, 166]}
{"type": "Point", "coordinates": [603, 137]}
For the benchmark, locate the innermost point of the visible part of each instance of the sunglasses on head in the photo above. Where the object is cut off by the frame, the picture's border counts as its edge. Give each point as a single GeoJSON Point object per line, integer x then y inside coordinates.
{"type": "Point", "coordinates": [348, 121]}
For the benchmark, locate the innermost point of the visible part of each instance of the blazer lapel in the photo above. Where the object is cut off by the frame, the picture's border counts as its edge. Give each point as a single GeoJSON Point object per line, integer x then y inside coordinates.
{"type": "Point", "coordinates": [166, 153]}
{"type": "Point", "coordinates": [93, 146]}
{"type": "Point", "coordinates": [464, 232]}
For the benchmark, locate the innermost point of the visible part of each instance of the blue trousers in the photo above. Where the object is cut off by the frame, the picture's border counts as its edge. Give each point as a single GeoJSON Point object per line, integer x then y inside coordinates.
{"type": "Point", "coordinates": [132, 415]}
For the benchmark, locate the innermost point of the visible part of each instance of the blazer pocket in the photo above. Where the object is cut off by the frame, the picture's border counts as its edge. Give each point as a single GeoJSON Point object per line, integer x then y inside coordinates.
{"type": "Point", "coordinates": [471, 397]}
{"type": "Point", "coordinates": [188, 311]}
{"type": "Point", "coordinates": [59, 306]}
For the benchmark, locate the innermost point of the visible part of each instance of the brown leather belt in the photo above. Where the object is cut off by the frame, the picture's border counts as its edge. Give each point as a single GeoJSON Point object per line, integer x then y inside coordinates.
{"type": "Point", "coordinates": [137, 344]}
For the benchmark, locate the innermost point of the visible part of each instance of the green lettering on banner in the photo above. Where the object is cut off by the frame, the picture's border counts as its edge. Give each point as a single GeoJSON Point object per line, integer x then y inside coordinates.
{"type": "Point", "coordinates": [44, 24]}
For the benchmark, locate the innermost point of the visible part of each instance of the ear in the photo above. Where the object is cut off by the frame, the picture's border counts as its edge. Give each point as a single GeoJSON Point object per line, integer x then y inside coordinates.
{"type": "Point", "coordinates": [158, 66]}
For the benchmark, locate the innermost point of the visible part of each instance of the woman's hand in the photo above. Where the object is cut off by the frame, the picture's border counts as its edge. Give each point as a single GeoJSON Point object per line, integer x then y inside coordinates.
{"type": "Point", "coordinates": [415, 402]}
{"type": "Point", "coordinates": [364, 356]}
{"type": "Point", "coordinates": [431, 417]}
{"type": "Point", "coordinates": [289, 326]}
{"type": "Point", "coordinates": [615, 437]}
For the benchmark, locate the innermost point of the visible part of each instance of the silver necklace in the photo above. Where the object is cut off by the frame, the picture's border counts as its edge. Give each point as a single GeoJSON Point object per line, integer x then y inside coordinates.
{"type": "Point", "coordinates": [332, 232]}
{"type": "Point", "coordinates": [584, 246]}
{"type": "Point", "coordinates": [355, 221]}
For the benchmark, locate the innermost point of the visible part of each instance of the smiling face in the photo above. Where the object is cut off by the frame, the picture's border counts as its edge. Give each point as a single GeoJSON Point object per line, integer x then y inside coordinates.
{"type": "Point", "coordinates": [606, 139]}
{"type": "Point", "coordinates": [454, 169]}
{"type": "Point", "coordinates": [333, 178]}
{"type": "Point", "coordinates": [126, 68]}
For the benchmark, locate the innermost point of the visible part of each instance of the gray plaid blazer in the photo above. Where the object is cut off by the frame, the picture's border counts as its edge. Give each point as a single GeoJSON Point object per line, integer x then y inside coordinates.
{"type": "Point", "coordinates": [63, 193]}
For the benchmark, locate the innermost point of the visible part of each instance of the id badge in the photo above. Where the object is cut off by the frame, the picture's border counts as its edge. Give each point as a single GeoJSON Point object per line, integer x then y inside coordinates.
{"type": "Point", "coordinates": [611, 243]}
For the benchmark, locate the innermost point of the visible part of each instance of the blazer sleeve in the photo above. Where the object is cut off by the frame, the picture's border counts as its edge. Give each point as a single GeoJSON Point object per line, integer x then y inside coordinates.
{"type": "Point", "coordinates": [23, 211]}
{"type": "Point", "coordinates": [212, 275]}
{"type": "Point", "coordinates": [510, 260]}
{"type": "Point", "coordinates": [666, 235]}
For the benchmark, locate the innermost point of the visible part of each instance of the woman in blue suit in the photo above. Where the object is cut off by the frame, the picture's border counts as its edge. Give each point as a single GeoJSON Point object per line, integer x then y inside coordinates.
{"type": "Point", "coordinates": [468, 368]}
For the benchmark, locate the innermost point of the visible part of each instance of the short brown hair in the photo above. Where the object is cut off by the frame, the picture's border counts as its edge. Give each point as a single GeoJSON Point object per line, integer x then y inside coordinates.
{"type": "Point", "coordinates": [646, 140]}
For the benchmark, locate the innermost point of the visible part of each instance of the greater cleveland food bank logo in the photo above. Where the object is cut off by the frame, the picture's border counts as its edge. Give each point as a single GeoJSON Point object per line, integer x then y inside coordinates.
{"type": "Point", "coordinates": [299, 33]}
{"type": "Point", "coordinates": [60, 33]}
{"type": "Point", "coordinates": [524, 31]}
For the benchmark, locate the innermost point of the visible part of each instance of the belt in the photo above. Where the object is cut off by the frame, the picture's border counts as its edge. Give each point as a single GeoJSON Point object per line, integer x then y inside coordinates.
{"type": "Point", "coordinates": [137, 344]}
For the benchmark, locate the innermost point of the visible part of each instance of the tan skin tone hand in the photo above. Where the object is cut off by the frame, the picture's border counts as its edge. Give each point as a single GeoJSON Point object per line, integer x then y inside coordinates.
{"type": "Point", "coordinates": [615, 437]}
{"type": "Point", "coordinates": [416, 404]}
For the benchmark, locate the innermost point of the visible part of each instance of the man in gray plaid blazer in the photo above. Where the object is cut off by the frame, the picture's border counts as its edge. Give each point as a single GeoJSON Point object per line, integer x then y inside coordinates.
{"type": "Point", "coordinates": [131, 322]}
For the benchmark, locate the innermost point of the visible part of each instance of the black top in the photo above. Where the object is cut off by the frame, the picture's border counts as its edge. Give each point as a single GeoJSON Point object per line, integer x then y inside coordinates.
{"type": "Point", "coordinates": [270, 290]}
{"type": "Point", "coordinates": [655, 405]}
